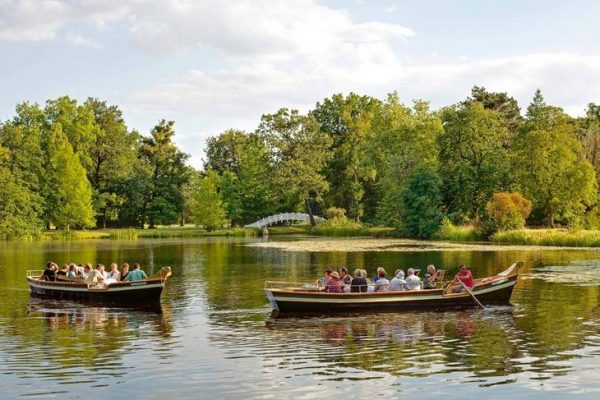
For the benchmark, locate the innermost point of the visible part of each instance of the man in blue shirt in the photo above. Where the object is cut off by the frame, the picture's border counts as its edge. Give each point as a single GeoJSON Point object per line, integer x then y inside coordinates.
{"type": "Point", "coordinates": [136, 274]}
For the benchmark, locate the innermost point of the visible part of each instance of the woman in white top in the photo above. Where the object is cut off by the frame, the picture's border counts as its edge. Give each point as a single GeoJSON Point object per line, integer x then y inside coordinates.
{"type": "Point", "coordinates": [114, 275]}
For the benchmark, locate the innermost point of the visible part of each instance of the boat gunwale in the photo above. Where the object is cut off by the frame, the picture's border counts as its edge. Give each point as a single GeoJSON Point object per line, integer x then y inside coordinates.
{"type": "Point", "coordinates": [489, 281]}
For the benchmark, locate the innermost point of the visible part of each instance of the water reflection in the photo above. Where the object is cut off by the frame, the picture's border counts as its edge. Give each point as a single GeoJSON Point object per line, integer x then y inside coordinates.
{"type": "Point", "coordinates": [213, 330]}
{"type": "Point", "coordinates": [71, 343]}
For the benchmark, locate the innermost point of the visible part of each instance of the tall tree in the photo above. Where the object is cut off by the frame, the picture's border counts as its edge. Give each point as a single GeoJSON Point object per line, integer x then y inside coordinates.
{"type": "Point", "coordinates": [589, 135]}
{"type": "Point", "coordinates": [207, 206]}
{"type": "Point", "coordinates": [19, 206]}
{"type": "Point", "coordinates": [163, 203]}
{"type": "Point", "coordinates": [404, 138]}
{"type": "Point", "coordinates": [299, 150]}
{"type": "Point", "coordinates": [549, 165]}
{"type": "Point", "coordinates": [348, 122]}
{"type": "Point", "coordinates": [72, 192]}
{"type": "Point", "coordinates": [502, 103]}
{"type": "Point", "coordinates": [421, 200]}
{"type": "Point", "coordinates": [77, 123]}
{"type": "Point", "coordinates": [473, 159]}
{"type": "Point", "coordinates": [224, 151]}
{"type": "Point", "coordinates": [111, 156]}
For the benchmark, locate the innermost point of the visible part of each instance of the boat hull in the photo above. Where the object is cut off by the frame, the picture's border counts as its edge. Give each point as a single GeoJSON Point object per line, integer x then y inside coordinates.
{"type": "Point", "coordinates": [497, 291]}
{"type": "Point", "coordinates": [120, 294]}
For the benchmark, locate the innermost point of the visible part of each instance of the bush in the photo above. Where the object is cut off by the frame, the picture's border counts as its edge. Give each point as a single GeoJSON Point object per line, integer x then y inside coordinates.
{"type": "Point", "coordinates": [453, 233]}
{"type": "Point", "coordinates": [335, 213]}
{"type": "Point", "coordinates": [506, 211]}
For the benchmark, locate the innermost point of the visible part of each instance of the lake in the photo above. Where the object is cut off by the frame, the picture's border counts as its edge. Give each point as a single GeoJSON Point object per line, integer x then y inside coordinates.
{"type": "Point", "coordinates": [214, 337]}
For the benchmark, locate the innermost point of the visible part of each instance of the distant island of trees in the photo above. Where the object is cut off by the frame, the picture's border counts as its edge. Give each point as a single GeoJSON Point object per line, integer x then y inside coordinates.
{"type": "Point", "coordinates": [356, 158]}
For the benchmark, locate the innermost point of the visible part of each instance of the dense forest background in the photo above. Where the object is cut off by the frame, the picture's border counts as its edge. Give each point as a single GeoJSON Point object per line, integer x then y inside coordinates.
{"type": "Point", "coordinates": [356, 158]}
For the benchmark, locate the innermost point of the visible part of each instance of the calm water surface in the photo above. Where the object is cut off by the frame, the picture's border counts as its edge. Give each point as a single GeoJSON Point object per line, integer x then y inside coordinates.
{"type": "Point", "coordinates": [213, 336]}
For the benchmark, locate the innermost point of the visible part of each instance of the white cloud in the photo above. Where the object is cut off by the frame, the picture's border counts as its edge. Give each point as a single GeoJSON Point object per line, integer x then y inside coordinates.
{"type": "Point", "coordinates": [39, 20]}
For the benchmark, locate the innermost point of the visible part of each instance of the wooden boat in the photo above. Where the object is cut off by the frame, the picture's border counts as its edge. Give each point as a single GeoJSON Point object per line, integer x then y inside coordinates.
{"type": "Point", "coordinates": [132, 293]}
{"type": "Point", "coordinates": [294, 298]}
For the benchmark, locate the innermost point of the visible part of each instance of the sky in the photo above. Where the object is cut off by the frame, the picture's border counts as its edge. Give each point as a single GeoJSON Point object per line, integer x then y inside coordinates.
{"type": "Point", "coordinates": [215, 65]}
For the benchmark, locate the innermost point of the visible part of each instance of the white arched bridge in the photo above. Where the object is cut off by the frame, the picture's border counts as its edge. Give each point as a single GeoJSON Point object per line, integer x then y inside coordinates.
{"type": "Point", "coordinates": [283, 217]}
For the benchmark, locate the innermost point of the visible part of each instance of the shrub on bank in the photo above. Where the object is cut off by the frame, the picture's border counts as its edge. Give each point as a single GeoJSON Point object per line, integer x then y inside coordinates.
{"type": "Point", "coordinates": [461, 233]}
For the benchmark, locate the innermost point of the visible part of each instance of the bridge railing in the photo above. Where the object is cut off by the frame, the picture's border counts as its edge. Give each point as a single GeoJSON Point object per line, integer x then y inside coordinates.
{"type": "Point", "coordinates": [282, 217]}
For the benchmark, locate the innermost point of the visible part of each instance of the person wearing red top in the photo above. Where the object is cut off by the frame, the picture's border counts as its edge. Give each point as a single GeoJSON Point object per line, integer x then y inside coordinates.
{"type": "Point", "coordinates": [465, 276]}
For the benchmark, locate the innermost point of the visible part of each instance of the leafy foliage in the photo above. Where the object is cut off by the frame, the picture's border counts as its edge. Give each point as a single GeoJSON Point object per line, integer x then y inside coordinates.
{"type": "Point", "coordinates": [207, 206]}
{"type": "Point", "coordinates": [549, 165]}
{"type": "Point", "coordinates": [473, 159]}
{"type": "Point", "coordinates": [421, 200]}
{"type": "Point", "coordinates": [507, 211]}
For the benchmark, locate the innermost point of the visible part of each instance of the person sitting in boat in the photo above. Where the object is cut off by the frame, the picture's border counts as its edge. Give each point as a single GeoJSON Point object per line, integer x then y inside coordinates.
{"type": "Point", "coordinates": [430, 278]}
{"type": "Point", "coordinates": [344, 276]}
{"type": "Point", "coordinates": [138, 275]}
{"type": "Point", "coordinates": [382, 284]}
{"type": "Point", "coordinates": [63, 272]}
{"type": "Point", "coordinates": [413, 282]}
{"type": "Point", "coordinates": [359, 282]}
{"type": "Point", "coordinates": [87, 270]}
{"type": "Point", "coordinates": [322, 281]}
{"type": "Point", "coordinates": [49, 273]}
{"type": "Point", "coordinates": [114, 275]}
{"type": "Point", "coordinates": [72, 273]}
{"type": "Point", "coordinates": [334, 284]}
{"type": "Point", "coordinates": [376, 277]}
{"type": "Point", "coordinates": [124, 271]}
{"type": "Point", "coordinates": [398, 283]}
{"type": "Point", "coordinates": [95, 275]}
{"type": "Point", "coordinates": [464, 276]}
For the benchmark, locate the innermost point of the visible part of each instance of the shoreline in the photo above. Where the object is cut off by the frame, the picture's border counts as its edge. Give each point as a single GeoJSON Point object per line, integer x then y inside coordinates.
{"type": "Point", "coordinates": [323, 244]}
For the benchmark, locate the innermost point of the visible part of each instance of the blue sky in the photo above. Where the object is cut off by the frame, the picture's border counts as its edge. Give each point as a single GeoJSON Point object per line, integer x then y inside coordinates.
{"type": "Point", "coordinates": [213, 65]}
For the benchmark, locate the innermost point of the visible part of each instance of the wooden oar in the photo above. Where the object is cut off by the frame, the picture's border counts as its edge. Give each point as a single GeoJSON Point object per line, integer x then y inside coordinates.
{"type": "Point", "coordinates": [471, 293]}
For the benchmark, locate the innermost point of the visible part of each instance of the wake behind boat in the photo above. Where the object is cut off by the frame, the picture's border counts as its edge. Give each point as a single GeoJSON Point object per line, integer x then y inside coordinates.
{"type": "Point", "coordinates": [130, 293]}
{"type": "Point", "coordinates": [307, 298]}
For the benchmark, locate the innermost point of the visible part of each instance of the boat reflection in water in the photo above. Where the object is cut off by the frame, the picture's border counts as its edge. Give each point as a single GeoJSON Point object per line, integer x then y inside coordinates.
{"type": "Point", "coordinates": [90, 341]}
{"type": "Point", "coordinates": [486, 344]}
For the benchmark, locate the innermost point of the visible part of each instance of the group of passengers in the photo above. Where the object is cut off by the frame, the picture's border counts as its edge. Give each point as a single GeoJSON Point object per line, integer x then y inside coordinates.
{"type": "Point", "coordinates": [341, 282]}
{"type": "Point", "coordinates": [97, 275]}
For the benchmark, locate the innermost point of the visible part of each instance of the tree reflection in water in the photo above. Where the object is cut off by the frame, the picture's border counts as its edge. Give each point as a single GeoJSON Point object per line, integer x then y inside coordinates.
{"type": "Point", "coordinates": [87, 341]}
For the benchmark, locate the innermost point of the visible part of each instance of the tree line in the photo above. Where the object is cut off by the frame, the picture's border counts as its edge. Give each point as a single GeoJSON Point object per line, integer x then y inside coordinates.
{"type": "Point", "coordinates": [70, 165]}
{"type": "Point", "coordinates": [380, 162]}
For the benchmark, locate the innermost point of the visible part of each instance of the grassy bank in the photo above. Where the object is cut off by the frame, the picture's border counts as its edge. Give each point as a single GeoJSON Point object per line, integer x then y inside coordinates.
{"type": "Point", "coordinates": [132, 234]}
{"type": "Point", "coordinates": [550, 237]}
{"type": "Point", "coordinates": [460, 233]}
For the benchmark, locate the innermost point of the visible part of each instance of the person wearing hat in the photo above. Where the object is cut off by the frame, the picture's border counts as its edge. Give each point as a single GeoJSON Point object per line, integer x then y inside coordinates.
{"type": "Point", "coordinates": [334, 284]}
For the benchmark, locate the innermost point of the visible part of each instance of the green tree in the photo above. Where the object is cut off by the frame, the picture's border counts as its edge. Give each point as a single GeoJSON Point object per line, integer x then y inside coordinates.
{"type": "Point", "coordinates": [348, 122]}
{"type": "Point", "coordinates": [224, 151]}
{"type": "Point", "coordinates": [111, 154]}
{"type": "Point", "coordinates": [404, 138]}
{"type": "Point", "coordinates": [502, 103]}
{"type": "Point", "coordinates": [589, 135]}
{"type": "Point", "coordinates": [77, 123]}
{"type": "Point", "coordinates": [549, 165]}
{"type": "Point", "coordinates": [207, 206]}
{"type": "Point", "coordinates": [473, 159]}
{"type": "Point", "coordinates": [421, 202]}
{"type": "Point", "coordinates": [246, 175]}
{"type": "Point", "coordinates": [72, 192]}
{"type": "Point", "coordinates": [163, 201]}
{"type": "Point", "coordinates": [19, 206]}
{"type": "Point", "coordinates": [299, 151]}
